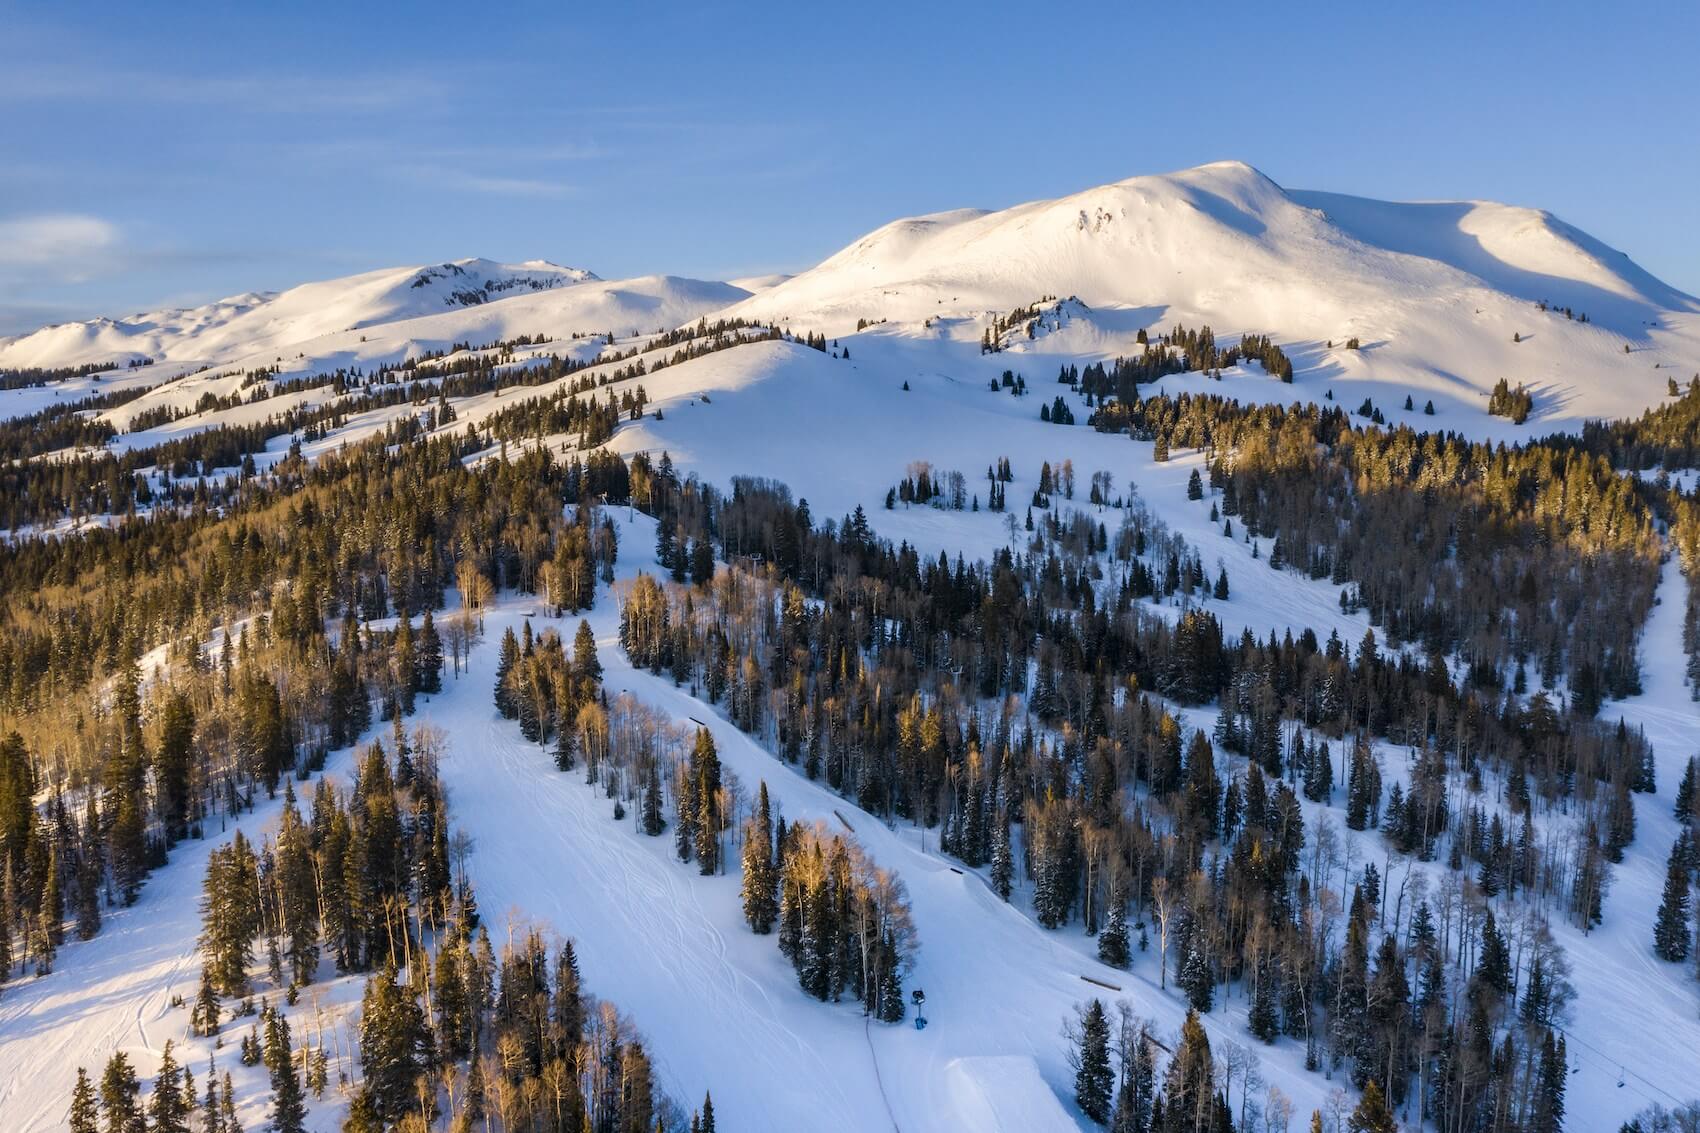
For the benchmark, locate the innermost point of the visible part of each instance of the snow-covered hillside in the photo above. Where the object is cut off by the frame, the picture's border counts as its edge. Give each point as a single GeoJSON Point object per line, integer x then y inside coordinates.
{"type": "Point", "coordinates": [374, 318]}
{"type": "Point", "coordinates": [1433, 292]}
{"type": "Point", "coordinates": [258, 321]}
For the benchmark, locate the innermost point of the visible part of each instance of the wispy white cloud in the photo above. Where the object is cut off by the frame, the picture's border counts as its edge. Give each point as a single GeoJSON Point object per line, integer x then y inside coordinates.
{"type": "Point", "coordinates": [70, 245]}
{"type": "Point", "coordinates": [511, 186]}
{"type": "Point", "coordinates": [460, 180]}
{"type": "Point", "coordinates": [267, 93]}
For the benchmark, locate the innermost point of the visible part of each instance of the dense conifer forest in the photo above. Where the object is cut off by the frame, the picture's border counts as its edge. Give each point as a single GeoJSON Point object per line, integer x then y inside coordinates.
{"type": "Point", "coordinates": [1035, 711]}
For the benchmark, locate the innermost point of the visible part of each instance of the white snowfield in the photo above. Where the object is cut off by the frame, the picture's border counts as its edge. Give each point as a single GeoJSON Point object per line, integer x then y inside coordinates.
{"type": "Point", "coordinates": [1434, 292]}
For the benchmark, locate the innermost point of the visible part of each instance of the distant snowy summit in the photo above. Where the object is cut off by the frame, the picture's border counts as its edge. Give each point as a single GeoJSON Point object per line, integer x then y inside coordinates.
{"type": "Point", "coordinates": [1223, 236]}
{"type": "Point", "coordinates": [470, 282]}
{"type": "Point", "coordinates": [257, 321]}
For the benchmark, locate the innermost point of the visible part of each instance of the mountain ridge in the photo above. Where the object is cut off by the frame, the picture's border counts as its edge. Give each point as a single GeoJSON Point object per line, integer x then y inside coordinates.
{"type": "Point", "coordinates": [1445, 297]}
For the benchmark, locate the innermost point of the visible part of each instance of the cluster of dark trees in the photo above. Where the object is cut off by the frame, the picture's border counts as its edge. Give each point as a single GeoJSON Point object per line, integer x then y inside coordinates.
{"type": "Point", "coordinates": [1666, 436]}
{"type": "Point", "coordinates": [1673, 936]}
{"type": "Point", "coordinates": [1541, 555]}
{"type": "Point", "coordinates": [991, 339]}
{"type": "Point", "coordinates": [925, 484]}
{"type": "Point", "coordinates": [31, 376]}
{"type": "Point", "coordinates": [1116, 1083]}
{"type": "Point", "coordinates": [73, 424]}
{"type": "Point", "coordinates": [1057, 412]}
{"type": "Point", "coordinates": [1180, 351]}
{"type": "Point", "coordinates": [1505, 401]}
{"type": "Point", "coordinates": [842, 921]}
{"type": "Point", "coordinates": [215, 738]}
{"type": "Point", "coordinates": [175, 1106]}
{"type": "Point", "coordinates": [548, 693]}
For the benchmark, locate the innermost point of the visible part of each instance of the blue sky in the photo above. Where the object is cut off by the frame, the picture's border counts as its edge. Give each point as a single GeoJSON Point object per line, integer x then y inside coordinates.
{"type": "Point", "coordinates": [170, 154]}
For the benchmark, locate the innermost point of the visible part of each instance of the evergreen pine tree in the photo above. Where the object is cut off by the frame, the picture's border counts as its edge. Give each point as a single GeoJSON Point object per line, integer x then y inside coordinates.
{"type": "Point", "coordinates": [1319, 774]}
{"type": "Point", "coordinates": [586, 667]}
{"type": "Point", "coordinates": [651, 818]}
{"type": "Point", "coordinates": [1113, 944]}
{"type": "Point", "coordinates": [227, 1106]}
{"type": "Point", "coordinates": [1670, 928]}
{"type": "Point", "coordinates": [568, 1008]}
{"type": "Point", "coordinates": [1003, 858]}
{"type": "Point", "coordinates": [505, 662]}
{"type": "Point", "coordinates": [392, 1045]}
{"type": "Point", "coordinates": [428, 658]}
{"type": "Point", "coordinates": [90, 872]}
{"type": "Point", "coordinates": [1189, 1090]}
{"type": "Point", "coordinates": [1534, 1006]}
{"type": "Point", "coordinates": [172, 766]}
{"type": "Point", "coordinates": [289, 1104]}
{"type": "Point", "coordinates": [1195, 975]}
{"type": "Point", "coordinates": [1262, 1018]}
{"type": "Point", "coordinates": [891, 1005]}
{"type": "Point", "coordinates": [705, 773]}
{"type": "Point", "coordinates": [1363, 787]}
{"type": "Point", "coordinates": [685, 816]}
{"type": "Point", "coordinates": [1134, 1099]}
{"type": "Point", "coordinates": [1493, 965]}
{"type": "Point", "coordinates": [118, 1090]}
{"type": "Point", "coordinates": [129, 848]}
{"type": "Point", "coordinates": [166, 1108]}
{"type": "Point", "coordinates": [212, 1117]}
{"type": "Point", "coordinates": [203, 1017]}
{"type": "Point", "coordinates": [1372, 1114]}
{"type": "Point", "coordinates": [1094, 1079]}
{"type": "Point", "coordinates": [761, 902]}
{"type": "Point", "coordinates": [1548, 1115]}
{"type": "Point", "coordinates": [84, 1116]}
{"type": "Point", "coordinates": [453, 1003]}
{"type": "Point", "coordinates": [230, 915]}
